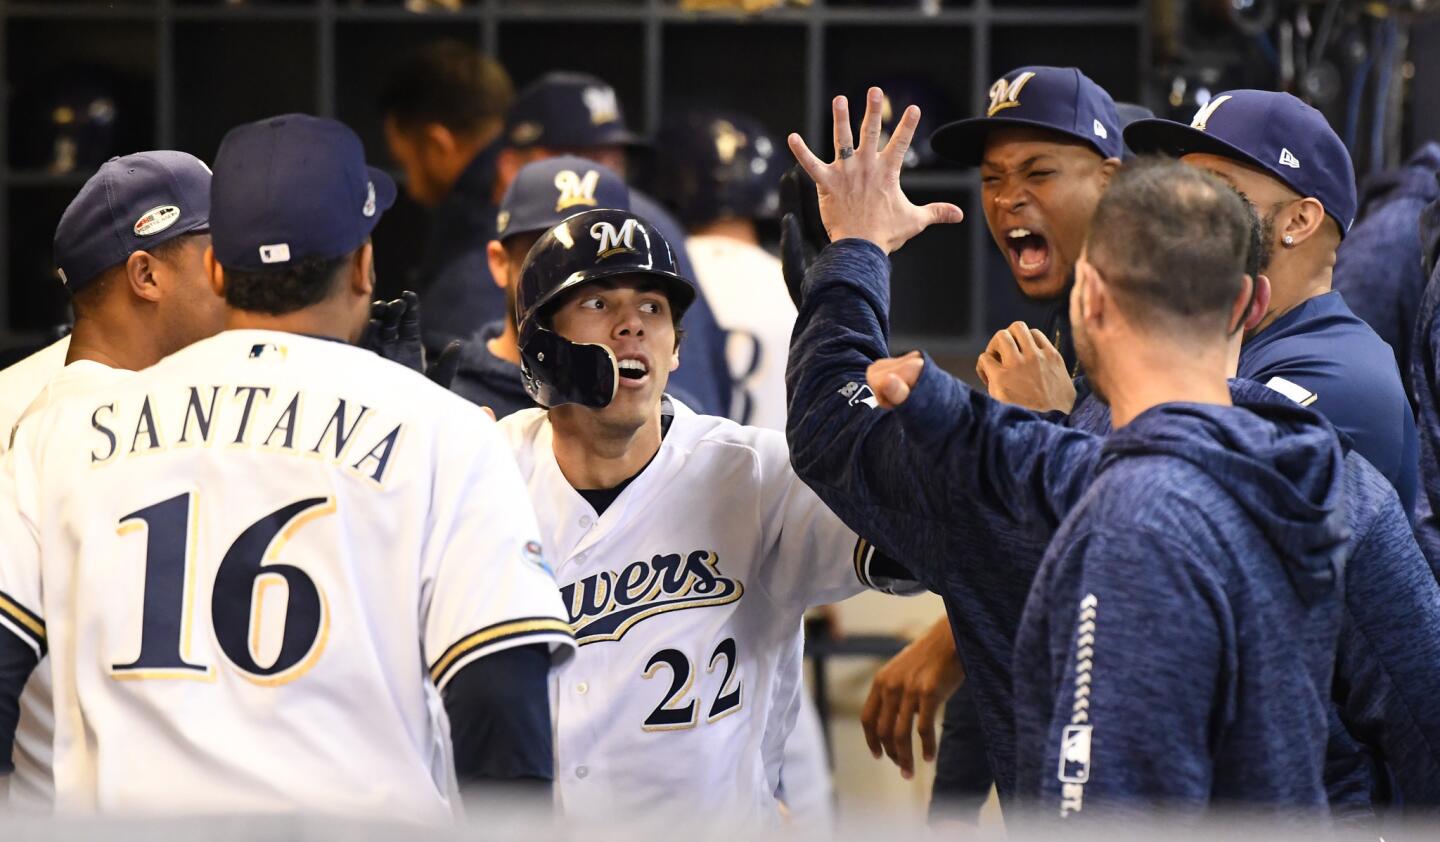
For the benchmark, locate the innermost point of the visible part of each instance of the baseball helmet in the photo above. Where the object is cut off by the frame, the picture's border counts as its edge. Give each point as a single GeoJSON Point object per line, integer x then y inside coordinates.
{"type": "Point", "coordinates": [589, 246]}
{"type": "Point", "coordinates": [715, 165]}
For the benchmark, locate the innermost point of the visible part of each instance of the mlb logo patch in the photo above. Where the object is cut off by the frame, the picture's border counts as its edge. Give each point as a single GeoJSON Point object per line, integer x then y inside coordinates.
{"type": "Point", "coordinates": [275, 253]}
{"type": "Point", "coordinates": [859, 393]}
{"type": "Point", "coordinates": [1075, 754]}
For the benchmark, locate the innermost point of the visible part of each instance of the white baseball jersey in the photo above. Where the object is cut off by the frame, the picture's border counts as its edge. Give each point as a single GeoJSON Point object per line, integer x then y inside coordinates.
{"type": "Point", "coordinates": [32, 784]}
{"type": "Point", "coordinates": [254, 566]}
{"type": "Point", "coordinates": [746, 289]}
{"type": "Point", "coordinates": [686, 596]}
{"type": "Point", "coordinates": [21, 382]}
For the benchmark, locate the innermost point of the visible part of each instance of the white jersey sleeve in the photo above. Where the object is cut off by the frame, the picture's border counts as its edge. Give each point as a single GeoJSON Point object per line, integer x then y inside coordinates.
{"type": "Point", "coordinates": [817, 558]}
{"type": "Point", "coordinates": [486, 586]}
{"type": "Point", "coordinates": [21, 609]}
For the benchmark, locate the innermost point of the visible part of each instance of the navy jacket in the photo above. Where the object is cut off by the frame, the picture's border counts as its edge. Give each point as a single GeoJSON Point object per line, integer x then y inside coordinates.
{"type": "Point", "coordinates": [975, 528]}
{"type": "Point", "coordinates": [1425, 378]}
{"type": "Point", "coordinates": [1350, 377]}
{"type": "Point", "coordinates": [1378, 269]}
{"type": "Point", "coordinates": [453, 277]}
{"type": "Point", "coordinates": [1387, 667]}
{"type": "Point", "coordinates": [1147, 667]}
{"type": "Point", "coordinates": [485, 379]}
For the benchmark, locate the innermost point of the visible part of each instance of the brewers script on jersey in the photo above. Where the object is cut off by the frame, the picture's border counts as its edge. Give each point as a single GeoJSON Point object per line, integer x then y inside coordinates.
{"type": "Point", "coordinates": [686, 597]}
{"type": "Point", "coordinates": [260, 560]}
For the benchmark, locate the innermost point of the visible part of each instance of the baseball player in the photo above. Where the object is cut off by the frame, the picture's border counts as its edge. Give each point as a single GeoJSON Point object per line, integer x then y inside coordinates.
{"type": "Point", "coordinates": [22, 381]}
{"type": "Point", "coordinates": [1425, 376]}
{"type": "Point", "coordinates": [566, 113]}
{"type": "Point", "coordinates": [542, 194]}
{"type": "Point", "coordinates": [1291, 455]}
{"type": "Point", "coordinates": [221, 554]}
{"type": "Point", "coordinates": [685, 548]}
{"type": "Point", "coordinates": [721, 172]}
{"type": "Point", "coordinates": [130, 247]}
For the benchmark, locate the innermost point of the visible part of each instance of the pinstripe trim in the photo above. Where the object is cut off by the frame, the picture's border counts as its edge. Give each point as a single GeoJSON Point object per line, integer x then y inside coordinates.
{"type": "Point", "coordinates": [27, 625]}
{"type": "Point", "coordinates": [506, 632]}
{"type": "Point", "coordinates": [864, 551]}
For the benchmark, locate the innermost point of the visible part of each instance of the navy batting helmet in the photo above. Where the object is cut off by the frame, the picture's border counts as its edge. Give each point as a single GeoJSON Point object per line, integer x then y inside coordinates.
{"type": "Point", "coordinates": [589, 246]}
{"type": "Point", "coordinates": [716, 165]}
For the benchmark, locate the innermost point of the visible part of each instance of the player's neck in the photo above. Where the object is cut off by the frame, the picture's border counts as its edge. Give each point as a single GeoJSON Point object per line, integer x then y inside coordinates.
{"type": "Point", "coordinates": [118, 343]}
{"type": "Point", "coordinates": [328, 319]}
{"type": "Point", "coordinates": [1150, 374]}
{"type": "Point", "coordinates": [735, 229]}
{"type": "Point", "coordinates": [593, 454]}
{"type": "Point", "coordinates": [1294, 279]}
{"type": "Point", "coordinates": [506, 346]}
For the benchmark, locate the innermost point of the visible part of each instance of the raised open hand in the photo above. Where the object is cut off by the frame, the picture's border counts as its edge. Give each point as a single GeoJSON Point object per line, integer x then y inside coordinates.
{"type": "Point", "coordinates": [860, 193]}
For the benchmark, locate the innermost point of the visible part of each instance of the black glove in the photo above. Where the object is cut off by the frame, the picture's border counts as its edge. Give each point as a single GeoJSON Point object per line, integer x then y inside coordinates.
{"type": "Point", "coordinates": [802, 234]}
{"type": "Point", "coordinates": [394, 331]}
{"type": "Point", "coordinates": [442, 371]}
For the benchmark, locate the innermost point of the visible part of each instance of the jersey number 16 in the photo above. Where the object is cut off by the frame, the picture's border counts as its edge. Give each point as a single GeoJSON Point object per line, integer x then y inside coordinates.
{"type": "Point", "coordinates": [236, 601]}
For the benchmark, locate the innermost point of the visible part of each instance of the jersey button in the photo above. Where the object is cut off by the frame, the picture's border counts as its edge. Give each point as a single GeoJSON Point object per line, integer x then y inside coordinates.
{"type": "Point", "coordinates": [582, 688]}
{"type": "Point", "coordinates": [585, 521]}
{"type": "Point", "coordinates": [582, 771]}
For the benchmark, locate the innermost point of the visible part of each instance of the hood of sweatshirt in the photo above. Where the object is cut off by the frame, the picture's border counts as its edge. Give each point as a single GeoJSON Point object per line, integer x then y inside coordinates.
{"type": "Point", "coordinates": [1282, 464]}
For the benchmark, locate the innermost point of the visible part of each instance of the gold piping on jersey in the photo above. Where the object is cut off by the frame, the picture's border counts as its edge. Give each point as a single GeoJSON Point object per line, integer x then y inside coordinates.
{"type": "Point", "coordinates": [539, 627]}
{"type": "Point", "coordinates": [29, 627]}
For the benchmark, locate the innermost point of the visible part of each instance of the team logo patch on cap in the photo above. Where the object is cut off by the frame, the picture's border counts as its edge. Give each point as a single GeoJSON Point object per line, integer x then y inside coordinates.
{"type": "Point", "coordinates": [1202, 117]}
{"type": "Point", "coordinates": [1006, 94]}
{"type": "Point", "coordinates": [602, 105]}
{"type": "Point", "coordinates": [576, 189]}
{"type": "Point", "coordinates": [156, 219]}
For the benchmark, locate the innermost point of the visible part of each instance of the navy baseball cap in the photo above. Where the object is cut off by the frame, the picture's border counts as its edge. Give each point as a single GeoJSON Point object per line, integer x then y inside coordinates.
{"type": "Point", "coordinates": [568, 110]}
{"type": "Point", "coordinates": [548, 192]}
{"type": "Point", "coordinates": [130, 204]}
{"type": "Point", "coordinates": [293, 187]}
{"type": "Point", "coordinates": [1060, 99]}
{"type": "Point", "coordinates": [1274, 132]}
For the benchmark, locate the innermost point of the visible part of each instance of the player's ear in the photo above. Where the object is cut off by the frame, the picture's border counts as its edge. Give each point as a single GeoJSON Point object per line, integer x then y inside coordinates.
{"type": "Point", "coordinates": [1259, 303]}
{"type": "Point", "coordinates": [140, 273]}
{"type": "Point", "coordinates": [499, 263]}
{"type": "Point", "coordinates": [362, 279]}
{"type": "Point", "coordinates": [1303, 220]}
{"type": "Point", "coordinates": [1107, 170]}
{"type": "Point", "coordinates": [439, 140]}
{"type": "Point", "coordinates": [215, 272]}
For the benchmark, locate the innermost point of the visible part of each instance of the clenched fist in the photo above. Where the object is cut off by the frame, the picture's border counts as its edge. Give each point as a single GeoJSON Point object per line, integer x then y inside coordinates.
{"type": "Point", "coordinates": [1021, 367]}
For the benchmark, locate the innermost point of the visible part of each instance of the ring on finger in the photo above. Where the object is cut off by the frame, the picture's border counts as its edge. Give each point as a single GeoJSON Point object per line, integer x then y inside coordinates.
{"type": "Point", "coordinates": [846, 152]}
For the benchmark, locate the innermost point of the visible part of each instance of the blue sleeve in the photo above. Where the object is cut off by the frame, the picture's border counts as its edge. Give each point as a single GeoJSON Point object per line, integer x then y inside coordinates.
{"type": "Point", "coordinates": [17, 661]}
{"type": "Point", "coordinates": [962, 767]}
{"type": "Point", "coordinates": [1375, 417]}
{"type": "Point", "coordinates": [1141, 642]}
{"type": "Point", "coordinates": [499, 709]}
{"type": "Point", "coordinates": [947, 458]}
{"type": "Point", "coordinates": [1387, 666]}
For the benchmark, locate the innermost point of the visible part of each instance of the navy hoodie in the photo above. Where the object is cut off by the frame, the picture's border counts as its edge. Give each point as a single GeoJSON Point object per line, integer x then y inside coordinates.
{"type": "Point", "coordinates": [973, 527]}
{"type": "Point", "coordinates": [1196, 583]}
{"type": "Point", "coordinates": [485, 379]}
{"type": "Point", "coordinates": [1425, 379]}
{"type": "Point", "coordinates": [1387, 667]}
{"type": "Point", "coordinates": [1378, 268]}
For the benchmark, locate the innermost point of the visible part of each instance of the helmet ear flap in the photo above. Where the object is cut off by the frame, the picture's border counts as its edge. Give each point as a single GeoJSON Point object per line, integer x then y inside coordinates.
{"type": "Point", "coordinates": [556, 371]}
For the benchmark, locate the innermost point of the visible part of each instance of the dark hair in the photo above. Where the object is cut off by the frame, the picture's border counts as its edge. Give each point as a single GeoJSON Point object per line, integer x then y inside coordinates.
{"type": "Point", "coordinates": [450, 83]}
{"type": "Point", "coordinates": [1173, 241]}
{"type": "Point", "coordinates": [284, 289]}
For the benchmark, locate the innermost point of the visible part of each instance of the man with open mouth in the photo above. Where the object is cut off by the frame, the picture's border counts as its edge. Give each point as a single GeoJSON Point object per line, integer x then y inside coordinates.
{"type": "Point", "coordinates": [685, 547]}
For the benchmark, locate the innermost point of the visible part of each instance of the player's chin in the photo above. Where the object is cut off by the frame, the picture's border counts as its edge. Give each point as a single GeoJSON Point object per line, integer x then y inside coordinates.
{"type": "Point", "coordinates": [1052, 283]}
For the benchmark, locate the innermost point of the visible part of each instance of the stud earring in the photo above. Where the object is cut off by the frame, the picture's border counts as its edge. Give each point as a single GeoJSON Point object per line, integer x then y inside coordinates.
{"type": "Point", "coordinates": [1289, 240]}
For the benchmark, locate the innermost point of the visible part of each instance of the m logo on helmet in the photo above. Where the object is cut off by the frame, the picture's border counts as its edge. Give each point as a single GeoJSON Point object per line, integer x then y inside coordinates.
{"type": "Point", "coordinates": [613, 241]}
{"type": "Point", "coordinates": [1006, 94]}
{"type": "Point", "coordinates": [602, 105]}
{"type": "Point", "coordinates": [1202, 117]}
{"type": "Point", "coordinates": [728, 140]}
{"type": "Point", "coordinates": [576, 189]}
